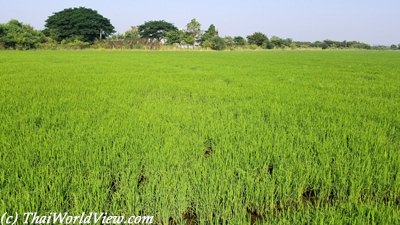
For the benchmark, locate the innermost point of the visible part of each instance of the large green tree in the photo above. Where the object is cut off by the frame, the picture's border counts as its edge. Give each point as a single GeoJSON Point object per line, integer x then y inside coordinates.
{"type": "Point", "coordinates": [258, 39]}
{"type": "Point", "coordinates": [78, 23]}
{"type": "Point", "coordinates": [156, 29]}
{"type": "Point", "coordinates": [16, 35]}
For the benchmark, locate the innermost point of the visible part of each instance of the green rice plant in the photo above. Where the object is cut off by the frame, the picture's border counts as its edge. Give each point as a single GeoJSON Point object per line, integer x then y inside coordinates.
{"type": "Point", "coordinates": [299, 137]}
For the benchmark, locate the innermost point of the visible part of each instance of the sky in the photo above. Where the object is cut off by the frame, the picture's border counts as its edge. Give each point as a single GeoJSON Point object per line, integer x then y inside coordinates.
{"type": "Point", "coordinates": [375, 22]}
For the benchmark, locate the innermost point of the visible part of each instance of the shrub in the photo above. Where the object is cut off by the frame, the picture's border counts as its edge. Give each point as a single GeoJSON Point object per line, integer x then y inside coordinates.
{"type": "Point", "coordinates": [218, 43]}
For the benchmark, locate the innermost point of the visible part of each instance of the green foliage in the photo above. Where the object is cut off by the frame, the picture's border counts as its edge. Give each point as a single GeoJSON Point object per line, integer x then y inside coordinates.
{"type": "Point", "coordinates": [87, 24]}
{"type": "Point", "coordinates": [229, 42]}
{"type": "Point", "coordinates": [189, 39]}
{"type": "Point", "coordinates": [303, 137]}
{"type": "Point", "coordinates": [393, 47]}
{"type": "Point", "coordinates": [49, 44]}
{"type": "Point", "coordinates": [324, 45]}
{"type": "Point", "coordinates": [117, 37]}
{"type": "Point", "coordinates": [155, 29]}
{"type": "Point", "coordinates": [209, 34]}
{"type": "Point", "coordinates": [16, 35]}
{"type": "Point", "coordinates": [258, 39]}
{"type": "Point", "coordinates": [175, 37]}
{"type": "Point", "coordinates": [207, 44]}
{"type": "Point", "coordinates": [239, 41]}
{"type": "Point", "coordinates": [276, 42]}
{"type": "Point", "coordinates": [218, 43]}
{"type": "Point", "coordinates": [3, 30]}
{"type": "Point", "coordinates": [193, 32]}
{"type": "Point", "coordinates": [79, 28]}
{"type": "Point", "coordinates": [253, 47]}
{"type": "Point", "coordinates": [75, 44]}
{"type": "Point", "coordinates": [339, 45]}
{"type": "Point", "coordinates": [133, 33]}
{"type": "Point", "coordinates": [379, 47]}
{"type": "Point", "coordinates": [287, 42]}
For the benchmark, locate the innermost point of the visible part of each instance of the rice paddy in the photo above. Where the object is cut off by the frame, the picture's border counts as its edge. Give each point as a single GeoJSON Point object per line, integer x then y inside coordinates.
{"type": "Point", "coordinates": [278, 137]}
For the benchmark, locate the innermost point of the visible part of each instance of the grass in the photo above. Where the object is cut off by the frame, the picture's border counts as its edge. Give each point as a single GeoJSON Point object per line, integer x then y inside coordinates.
{"type": "Point", "coordinates": [203, 137]}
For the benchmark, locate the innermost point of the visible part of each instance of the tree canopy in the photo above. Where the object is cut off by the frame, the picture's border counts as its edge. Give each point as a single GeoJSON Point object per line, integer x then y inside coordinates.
{"type": "Point", "coordinates": [218, 43]}
{"type": "Point", "coordinates": [210, 33]}
{"type": "Point", "coordinates": [155, 29]}
{"type": "Point", "coordinates": [16, 35]}
{"type": "Point", "coordinates": [78, 23]}
{"type": "Point", "coordinates": [207, 40]}
{"type": "Point", "coordinates": [175, 37]}
{"type": "Point", "coordinates": [239, 41]}
{"type": "Point", "coordinates": [193, 32]}
{"type": "Point", "coordinates": [258, 39]}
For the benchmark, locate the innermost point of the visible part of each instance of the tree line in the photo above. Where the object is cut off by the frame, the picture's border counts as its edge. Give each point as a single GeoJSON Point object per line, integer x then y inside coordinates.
{"type": "Point", "coordinates": [79, 28]}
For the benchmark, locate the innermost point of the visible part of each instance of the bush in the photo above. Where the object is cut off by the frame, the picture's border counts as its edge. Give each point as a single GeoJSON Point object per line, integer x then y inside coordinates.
{"type": "Point", "coordinates": [253, 47]}
{"type": "Point", "coordinates": [48, 44]}
{"type": "Point", "coordinates": [207, 44]}
{"type": "Point", "coordinates": [75, 44]}
{"type": "Point", "coordinates": [218, 43]}
{"type": "Point", "coordinates": [16, 35]}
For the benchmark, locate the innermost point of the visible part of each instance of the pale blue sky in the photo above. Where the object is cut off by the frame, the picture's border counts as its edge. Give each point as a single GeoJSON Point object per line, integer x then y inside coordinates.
{"type": "Point", "coordinates": [371, 21]}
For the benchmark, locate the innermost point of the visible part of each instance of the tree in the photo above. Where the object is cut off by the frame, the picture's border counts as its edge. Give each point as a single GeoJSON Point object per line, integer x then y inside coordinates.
{"type": "Point", "coordinates": [3, 33]}
{"type": "Point", "coordinates": [399, 46]}
{"type": "Point", "coordinates": [210, 33]}
{"type": "Point", "coordinates": [239, 41]}
{"type": "Point", "coordinates": [229, 43]}
{"type": "Point", "coordinates": [132, 33]}
{"type": "Point", "coordinates": [3, 30]}
{"type": "Point", "coordinates": [303, 44]}
{"type": "Point", "coordinates": [324, 45]}
{"type": "Point", "coordinates": [276, 42]}
{"type": "Point", "coordinates": [218, 43]}
{"type": "Point", "coordinates": [393, 47]}
{"type": "Point", "coordinates": [344, 44]}
{"type": "Point", "coordinates": [155, 29]}
{"type": "Point", "coordinates": [258, 39]}
{"type": "Point", "coordinates": [193, 32]}
{"type": "Point", "coordinates": [78, 23]}
{"type": "Point", "coordinates": [288, 42]}
{"type": "Point", "coordinates": [16, 35]}
{"type": "Point", "coordinates": [175, 37]}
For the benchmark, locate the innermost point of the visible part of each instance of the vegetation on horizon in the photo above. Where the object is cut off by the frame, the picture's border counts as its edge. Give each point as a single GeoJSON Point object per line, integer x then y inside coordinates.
{"type": "Point", "coordinates": [79, 28]}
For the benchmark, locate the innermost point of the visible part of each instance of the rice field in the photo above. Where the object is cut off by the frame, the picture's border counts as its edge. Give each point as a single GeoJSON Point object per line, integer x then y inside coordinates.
{"type": "Point", "coordinates": [278, 137]}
